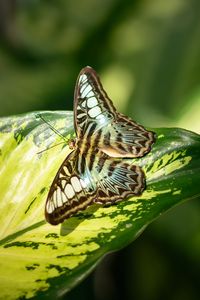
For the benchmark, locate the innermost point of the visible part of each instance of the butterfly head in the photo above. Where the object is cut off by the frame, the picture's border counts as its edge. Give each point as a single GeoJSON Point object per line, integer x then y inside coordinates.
{"type": "Point", "coordinates": [72, 144]}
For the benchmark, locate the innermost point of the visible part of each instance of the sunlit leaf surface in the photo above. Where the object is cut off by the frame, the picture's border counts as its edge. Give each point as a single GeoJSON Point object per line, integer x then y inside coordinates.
{"type": "Point", "coordinates": [43, 261]}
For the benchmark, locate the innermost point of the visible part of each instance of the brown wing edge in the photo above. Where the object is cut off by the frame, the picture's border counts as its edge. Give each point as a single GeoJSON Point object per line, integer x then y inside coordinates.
{"type": "Point", "coordinates": [64, 212]}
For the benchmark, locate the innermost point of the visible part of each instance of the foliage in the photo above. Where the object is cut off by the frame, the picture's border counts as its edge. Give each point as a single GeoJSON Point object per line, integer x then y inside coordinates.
{"type": "Point", "coordinates": [50, 260]}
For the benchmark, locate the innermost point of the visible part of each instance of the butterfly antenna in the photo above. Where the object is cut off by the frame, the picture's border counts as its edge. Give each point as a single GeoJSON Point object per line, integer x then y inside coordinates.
{"type": "Point", "coordinates": [52, 128]}
{"type": "Point", "coordinates": [50, 148]}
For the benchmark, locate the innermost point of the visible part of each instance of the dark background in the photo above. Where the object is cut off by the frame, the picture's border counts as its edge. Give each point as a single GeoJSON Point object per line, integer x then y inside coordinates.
{"type": "Point", "coordinates": [147, 54]}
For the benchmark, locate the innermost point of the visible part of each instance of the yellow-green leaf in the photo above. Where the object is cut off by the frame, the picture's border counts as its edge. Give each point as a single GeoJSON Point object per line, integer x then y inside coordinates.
{"type": "Point", "coordinates": [43, 261]}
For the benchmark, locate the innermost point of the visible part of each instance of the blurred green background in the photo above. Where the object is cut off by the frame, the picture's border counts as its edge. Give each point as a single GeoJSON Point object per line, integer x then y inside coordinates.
{"type": "Point", "coordinates": [147, 54]}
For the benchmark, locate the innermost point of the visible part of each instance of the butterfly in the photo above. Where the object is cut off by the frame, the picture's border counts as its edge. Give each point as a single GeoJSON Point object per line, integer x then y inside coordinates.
{"type": "Point", "coordinates": [95, 171]}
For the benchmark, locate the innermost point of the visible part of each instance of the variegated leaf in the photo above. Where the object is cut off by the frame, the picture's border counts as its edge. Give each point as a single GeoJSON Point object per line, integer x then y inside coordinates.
{"type": "Point", "coordinates": [43, 261]}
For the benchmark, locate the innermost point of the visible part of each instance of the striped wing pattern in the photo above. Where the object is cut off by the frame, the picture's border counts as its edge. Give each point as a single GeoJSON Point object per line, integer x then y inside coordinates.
{"type": "Point", "coordinates": [117, 180]}
{"type": "Point", "coordinates": [69, 193]}
{"type": "Point", "coordinates": [122, 137]}
{"type": "Point", "coordinates": [125, 138]}
{"type": "Point", "coordinates": [91, 103]}
{"type": "Point", "coordinates": [94, 172]}
{"type": "Point", "coordinates": [109, 180]}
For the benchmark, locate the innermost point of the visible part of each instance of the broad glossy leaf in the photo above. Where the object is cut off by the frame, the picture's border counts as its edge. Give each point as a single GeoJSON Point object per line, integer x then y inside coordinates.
{"type": "Point", "coordinates": [43, 261]}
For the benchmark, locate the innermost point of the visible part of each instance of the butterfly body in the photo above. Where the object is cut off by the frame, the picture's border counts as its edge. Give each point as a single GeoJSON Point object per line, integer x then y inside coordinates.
{"type": "Point", "coordinates": [94, 172]}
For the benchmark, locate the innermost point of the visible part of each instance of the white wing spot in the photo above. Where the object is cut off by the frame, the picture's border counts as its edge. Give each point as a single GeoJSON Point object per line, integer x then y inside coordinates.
{"type": "Point", "coordinates": [54, 197]}
{"type": "Point", "coordinates": [63, 183]}
{"type": "Point", "coordinates": [82, 78]}
{"type": "Point", "coordinates": [59, 197]}
{"type": "Point", "coordinates": [84, 185]}
{"type": "Point", "coordinates": [69, 191]}
{"type": "Point", "coordinates": [84, 104]}
{"type": "Point", "coordinates": [95, 111]}
{"type": "Point", "coordinates": [79, 116]}
{"type": "Point", "coordinates": [76, 184]}
{"type": "Point", "coordinates": [86, 91]}
{"type": "Point", "coordinates": [83, 87]}
{"type": "Point", "coordinates": [92, 102]}
{"type": "Point", "coordinates": [101, 118]}
{"type": "Point", "coordinates": [66, 171]}
{"type": "Point", "coordinates": [90, 94]}
{"type": "Point", "coordinates": [86, 182]}
{"type": "Point", "coordinates": [49, 207]}
{"type": "Point", "coordinates": [65, 198]}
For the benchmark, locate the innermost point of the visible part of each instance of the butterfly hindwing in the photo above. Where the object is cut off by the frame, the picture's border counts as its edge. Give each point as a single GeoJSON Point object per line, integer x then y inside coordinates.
{"type": "Point", "coordinates": [126, 138]}
{"type": "Point", "coordinates": [116, 179]}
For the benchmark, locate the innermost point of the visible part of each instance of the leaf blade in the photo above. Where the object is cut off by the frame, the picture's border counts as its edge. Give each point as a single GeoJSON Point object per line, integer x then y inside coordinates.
{"type": "Point", "coordinates": [50, 260]}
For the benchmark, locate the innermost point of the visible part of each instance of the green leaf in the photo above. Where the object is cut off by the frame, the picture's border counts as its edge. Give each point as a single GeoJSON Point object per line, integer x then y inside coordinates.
{"type": "Point", "coordinates": [43, 261]}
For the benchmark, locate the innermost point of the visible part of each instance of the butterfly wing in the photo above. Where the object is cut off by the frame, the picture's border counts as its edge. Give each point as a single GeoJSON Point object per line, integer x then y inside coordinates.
{"type": "Point", "coordinates": [115, 179]}
{"type": "Point", "coordinates": [108, 181]}
{"type": "Point", "coordinates": [90, 174]}
{"type": "Point", "coordinates": [94, 111]}
{"type": "Point", "coordinates": [91, 103]}
{"type": "Point", "coordinates": [125, 138]}
{"type": "Point", "coordinates": [69, 192]}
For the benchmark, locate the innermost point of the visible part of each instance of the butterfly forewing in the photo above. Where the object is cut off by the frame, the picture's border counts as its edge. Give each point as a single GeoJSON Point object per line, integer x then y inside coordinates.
{"type": "Point", "coordinates": [92, 173]}
{"type": "Point", "coordinates": [91, 103]}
